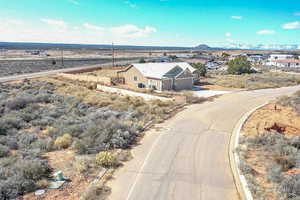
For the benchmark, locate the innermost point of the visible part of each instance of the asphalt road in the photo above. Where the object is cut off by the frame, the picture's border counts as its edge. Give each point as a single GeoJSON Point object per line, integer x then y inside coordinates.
{"type": "Point", "coordinates": [53, 72]}
{"type": "Point", "coordinates": [186, 157]}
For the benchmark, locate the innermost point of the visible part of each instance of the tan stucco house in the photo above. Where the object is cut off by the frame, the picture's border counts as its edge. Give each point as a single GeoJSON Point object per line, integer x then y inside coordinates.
{"type": "Point", "coordinates": [160, 76]}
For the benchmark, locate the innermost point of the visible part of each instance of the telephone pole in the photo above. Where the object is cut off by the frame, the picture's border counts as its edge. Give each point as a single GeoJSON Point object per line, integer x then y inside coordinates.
{"type": "Point", "coordinates": [62, 57]}
{"type": "Point", "coordinates": [113, 55]}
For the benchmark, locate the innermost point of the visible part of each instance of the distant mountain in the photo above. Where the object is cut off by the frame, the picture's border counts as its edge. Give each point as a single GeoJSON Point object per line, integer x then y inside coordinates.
{"type": "Point", "coordinates": [205, 47]}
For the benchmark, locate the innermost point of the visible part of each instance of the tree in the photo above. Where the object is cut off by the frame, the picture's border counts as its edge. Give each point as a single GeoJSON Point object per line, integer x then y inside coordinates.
{"type": "Point", "coordinates": [173, 57]}
{"type": "Point", "coordinates": [142, 60]}
{"type": "Point", "coordinates": [296, 57]}
{"type": "Point", "coordinates": [201, 68]}
{"type": "Point", "coordinates": [239, 65]}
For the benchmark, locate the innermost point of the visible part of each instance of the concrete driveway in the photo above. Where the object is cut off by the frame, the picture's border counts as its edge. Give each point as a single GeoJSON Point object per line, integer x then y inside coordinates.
{"type": "Point", "coordinates": [186, 157]}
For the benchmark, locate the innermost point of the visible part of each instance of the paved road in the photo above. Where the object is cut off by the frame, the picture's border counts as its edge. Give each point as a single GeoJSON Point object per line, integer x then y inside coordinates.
{"type": "Point", "coordinates": [53, 72]}
{"type": "Point", "coordinates": [187, 156]}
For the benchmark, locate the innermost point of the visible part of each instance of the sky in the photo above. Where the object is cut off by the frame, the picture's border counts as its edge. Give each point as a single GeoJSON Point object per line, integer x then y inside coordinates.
{"type": "Point", "coordinates": [151, 22]}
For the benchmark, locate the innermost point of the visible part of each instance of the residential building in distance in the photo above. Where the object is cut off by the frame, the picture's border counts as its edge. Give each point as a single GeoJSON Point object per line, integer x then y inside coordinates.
{"type": "Point", "coordinates": [293, 63]}
{"type": "Point", "coordinates": [272, 60]}
{"type": "Point", "coordinates": [160, 76]}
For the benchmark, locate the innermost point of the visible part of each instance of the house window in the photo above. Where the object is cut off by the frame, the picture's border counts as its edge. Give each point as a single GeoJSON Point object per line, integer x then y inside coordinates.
{"type": "Point", "coordinates": [141, 85]}
{"type": "Point", "coordinates": [135, 78]}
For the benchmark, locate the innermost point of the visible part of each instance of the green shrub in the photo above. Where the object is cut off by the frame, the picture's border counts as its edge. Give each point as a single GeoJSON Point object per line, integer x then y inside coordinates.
{"type": "Point", "coordinates": [106, 159]}
{"type": "Point", "coordinates": [239, 65]}
{"type": "Point", "coordinates": [63, 142]}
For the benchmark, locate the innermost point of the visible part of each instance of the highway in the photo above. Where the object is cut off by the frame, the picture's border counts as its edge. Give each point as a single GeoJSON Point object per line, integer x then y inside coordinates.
{"type": "Point", "coordinates": [53, 72]}
{"type": "Point", "coordinates": [186, 157]}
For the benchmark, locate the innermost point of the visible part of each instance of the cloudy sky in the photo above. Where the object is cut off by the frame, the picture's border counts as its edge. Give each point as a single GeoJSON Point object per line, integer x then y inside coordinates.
{"type": "Point", "coordinates": [151, 22]}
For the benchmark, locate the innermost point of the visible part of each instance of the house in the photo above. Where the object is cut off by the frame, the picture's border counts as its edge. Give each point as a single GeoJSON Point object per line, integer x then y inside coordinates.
{"type": "Point", "coordinates": [160, 76]}
{"type": "Point", "coordinates": [293, 63]}
{"type": "Point", "coordinates": [272, 60]}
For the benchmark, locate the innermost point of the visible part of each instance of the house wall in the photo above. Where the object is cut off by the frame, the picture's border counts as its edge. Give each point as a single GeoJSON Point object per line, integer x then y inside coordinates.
{"type": "Point", "coordinates": [167, 84]}
{"type": "Point", "coordinates": [154, 83]}
{"type": "Point", "coordinates": [184, 84]}
{"type": "Point", "coordinates": [130, 76]}
{"type": "Point", "coordinates": [184, 81]}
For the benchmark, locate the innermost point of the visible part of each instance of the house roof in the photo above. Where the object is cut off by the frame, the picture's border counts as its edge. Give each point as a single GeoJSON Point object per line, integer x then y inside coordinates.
{"type": "Point", "coordinates": [158, 70]}
{"type": "Point", "coordinates": [288, 61]}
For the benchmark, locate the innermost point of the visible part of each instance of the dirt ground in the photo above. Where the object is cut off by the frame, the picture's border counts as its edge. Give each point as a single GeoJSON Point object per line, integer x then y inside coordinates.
{"type": "Point", "coordinates": [62, 161]}
{"type": "Point", "coordinates": [219, 88]}
{"type": "Point", "coordinates": [270, 118]}
{"type": "Point", "coordinates": [267, 118]}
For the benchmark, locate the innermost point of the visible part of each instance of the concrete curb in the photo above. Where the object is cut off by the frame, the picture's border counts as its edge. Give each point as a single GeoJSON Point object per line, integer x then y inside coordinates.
{"type": "Point", "coordinates": [239, 178]}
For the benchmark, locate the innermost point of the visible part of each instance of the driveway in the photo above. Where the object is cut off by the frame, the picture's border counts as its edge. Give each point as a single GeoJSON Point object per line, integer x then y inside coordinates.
{"type": "Point", "coordinates": [186, 157]}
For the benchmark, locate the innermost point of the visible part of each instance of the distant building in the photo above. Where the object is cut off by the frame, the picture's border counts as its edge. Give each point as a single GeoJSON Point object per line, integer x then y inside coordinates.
{"type": "Point", "coordinates": [256, 58]}
{"type": "Point", "coordinates": [160, 76]}
{"type": "Point", "coordinates": [293, 63]}
{"type": "Point", "coordinates": [212, 65]}
{"type": "Point", "coordinates": [272, 60]}
{"type": "Point", "coordinates": [161, 60]}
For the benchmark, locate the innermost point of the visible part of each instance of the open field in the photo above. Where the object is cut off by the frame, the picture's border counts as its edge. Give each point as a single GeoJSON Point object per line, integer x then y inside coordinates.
{"type": "Point", "coordinates": [269, 150]}
{"type": "Point", "coordinates": [254, 81]}
{"type": "Point", "coordinates": [17, 67]}
{"type": "Point", "coordinates": [49, 118]}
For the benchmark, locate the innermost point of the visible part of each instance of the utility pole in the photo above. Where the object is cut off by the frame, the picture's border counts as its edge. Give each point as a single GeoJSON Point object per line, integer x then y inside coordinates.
{"type": "Point", "coordinates": [113, 55]}
{"type": "Point", "coordinates": [62, 57]}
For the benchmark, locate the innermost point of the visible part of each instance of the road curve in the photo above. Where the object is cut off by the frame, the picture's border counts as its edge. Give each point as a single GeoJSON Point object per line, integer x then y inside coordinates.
{"type": "Point", "coordinates": [186, 157]}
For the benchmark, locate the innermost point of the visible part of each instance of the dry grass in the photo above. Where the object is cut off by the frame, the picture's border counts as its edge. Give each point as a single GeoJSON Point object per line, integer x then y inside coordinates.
{"type": "Point", "coordinates": [255, 81]}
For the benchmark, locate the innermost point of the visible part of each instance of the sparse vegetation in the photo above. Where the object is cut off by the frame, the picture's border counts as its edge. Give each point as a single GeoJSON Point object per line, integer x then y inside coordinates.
{"type": "Point", "coordinates": [106, 159]}
{"type": "Point", "coordinates": [255, 81]}
{"type": "Point", "coordinates": [40, 116]}
{"type": "Point", "coordinates": [271, 161]}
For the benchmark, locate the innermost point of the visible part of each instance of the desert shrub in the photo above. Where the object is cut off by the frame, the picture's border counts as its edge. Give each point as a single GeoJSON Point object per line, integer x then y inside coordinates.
{"type": "Point", "coordinates": [20, 176]}
{"type": "Point", "coordinates": [45, 145]}
{"type": "Point", "coordinates": [79, 147]}
{"type": "Point", "coordinates": [106, 159]}
{"type": "Point", "coordinates": [246, 168]}
{"type": "Point", "coordinates": [95, 192]}
{"type": "Point", "coordinates": [18, 103]}
{"type": "Point", "coordinates": [4, 151]}
{"type": "Point", "coordinates": [289, 188]}
{"type": "Point", "coordinates": [63, 142]}
{"type": "Point", "coordinates": [25, 140]}
{"type": "Point", "coordinates": [124, 156]}
{"type": "Point", "coordinates": [274, 173]}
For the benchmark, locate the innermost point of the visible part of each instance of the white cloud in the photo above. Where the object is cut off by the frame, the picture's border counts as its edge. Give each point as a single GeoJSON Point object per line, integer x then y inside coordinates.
{"type": "Point", "coordinates": [237, 17]}
{"type": "Point", "coordinates": [62, 32]}
{"type": "Point", "coordinates": [74, 2]}
{"type": "Point", "coordinates": [291, 25]}
{"type": "Point", "coordinates": [265, 32]}
{"type": "Point", "coordinates": [93, 27]}
{"type": "Point", "coordinates": [130, 4]}
{"type": "Point", "coordinates": [132, 31]}
{"type": "Point", "coordinates": [228, 34]}
{"type": "Point", "coordinates": [53, 22]}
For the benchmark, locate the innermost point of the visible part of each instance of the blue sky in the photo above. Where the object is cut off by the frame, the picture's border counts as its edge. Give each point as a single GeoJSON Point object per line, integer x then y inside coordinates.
{"type": "Point", "coordinates": [151, 22]}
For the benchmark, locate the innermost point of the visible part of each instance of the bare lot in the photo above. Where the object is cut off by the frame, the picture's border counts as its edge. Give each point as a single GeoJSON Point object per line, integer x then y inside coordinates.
{"type": "Point", "coordinates": [270, 150]}
{"type": "Point", "coordinates": [254, 81]}
{"type": "Point", "coordinates": [14, 67]}
{"type": "Point", "coordinates": [52, 124]}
